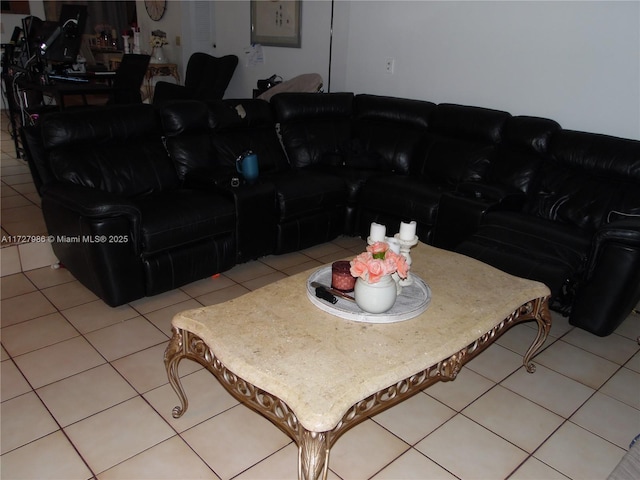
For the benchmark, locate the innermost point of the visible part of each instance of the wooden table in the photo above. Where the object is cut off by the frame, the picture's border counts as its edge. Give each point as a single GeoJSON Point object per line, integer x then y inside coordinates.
{"type": "Point", "coordinates": [316, 375]}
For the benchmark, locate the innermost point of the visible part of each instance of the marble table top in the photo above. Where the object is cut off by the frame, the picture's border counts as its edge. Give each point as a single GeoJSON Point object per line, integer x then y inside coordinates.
{"type": "Point", "coordinates": [320, 365]}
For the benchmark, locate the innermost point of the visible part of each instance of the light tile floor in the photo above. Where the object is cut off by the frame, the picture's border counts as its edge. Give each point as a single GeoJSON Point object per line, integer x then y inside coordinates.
{"type": "Point", "coordinates": [85, 395]}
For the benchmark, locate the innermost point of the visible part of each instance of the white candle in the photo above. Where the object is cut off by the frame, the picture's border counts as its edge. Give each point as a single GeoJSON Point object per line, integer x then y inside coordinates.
{"type": "Point", "coordinates": [394, 245]}
{"type": "Point", "coordinates": [407, 230]}
{"type": "Point", "coordinates": [377, 232]}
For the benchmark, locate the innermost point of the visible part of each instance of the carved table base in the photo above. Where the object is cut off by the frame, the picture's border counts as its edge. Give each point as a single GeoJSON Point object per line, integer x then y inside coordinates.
{"type": "Point", "coordinates": [314, 447]}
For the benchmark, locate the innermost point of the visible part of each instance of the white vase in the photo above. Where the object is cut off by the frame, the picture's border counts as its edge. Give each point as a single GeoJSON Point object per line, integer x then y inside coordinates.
{"type": "Point", "coordinates": [376, 297]}
{"type": "Point", "coordinates": [158, 55]}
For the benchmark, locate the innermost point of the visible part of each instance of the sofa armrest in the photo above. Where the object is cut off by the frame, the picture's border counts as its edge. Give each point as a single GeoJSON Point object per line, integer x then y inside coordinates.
{"type": "Point", "coordinates": [97, 238]}
{"type": "Point", "coordinates": [459, 216]}
{"type": "Point", "coordinates": [255, 205]}
{"type": "Point", "coordinates": [623, 234]}
{"type": "Point", "coordinates": [460, 213]}
{"type": "Point", "coordinates": [92, 203]}
{"type": "Point", "coordinates": [205, 178]}
{"type": "Point", "coordinates": [255, 218]}
{"type": "Point", "coordinates": [498, 196]}
{"type": "Point", "coordinates": [610, 288]}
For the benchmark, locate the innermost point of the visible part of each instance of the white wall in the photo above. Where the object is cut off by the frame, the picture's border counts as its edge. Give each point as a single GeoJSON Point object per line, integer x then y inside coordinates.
{"type": "Point", "coordinates": [233, 35]}
{"type": "Point", "coordinates": [171, 24]}
{"type": "Point", "coordinates": [10, 20]}
{"type": "Point", "coordinates": [577, 62]}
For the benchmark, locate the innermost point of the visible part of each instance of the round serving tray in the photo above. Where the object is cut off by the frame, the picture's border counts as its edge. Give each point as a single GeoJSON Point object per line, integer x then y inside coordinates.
{"type": "Point", "coordinates": [412, 301]}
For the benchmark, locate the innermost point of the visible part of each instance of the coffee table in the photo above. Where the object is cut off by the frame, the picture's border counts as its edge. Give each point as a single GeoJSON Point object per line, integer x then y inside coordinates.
{"type": "Point", "coordinates": [316, 375]}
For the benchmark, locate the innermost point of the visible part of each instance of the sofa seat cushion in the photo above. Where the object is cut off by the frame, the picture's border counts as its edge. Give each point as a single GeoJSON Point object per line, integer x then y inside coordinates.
{"type": "Point", "coordinates": [354, 178]}
{"type": "Point", "coordinates": [172, 268]}
{"type": "Point", "coordinates": [398, 195]}
{"type": "Point", "coordinates": [530, 247]}
{"type": "Point", "coordinates": [302, 192]}
{"type": "Point", "coordinates": [178, 217]}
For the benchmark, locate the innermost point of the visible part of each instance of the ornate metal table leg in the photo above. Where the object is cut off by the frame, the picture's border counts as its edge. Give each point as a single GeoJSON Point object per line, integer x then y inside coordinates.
{"type": "Point", "coordinates": [313, 456]}
{"type": "Point", "coordinates": [172, 356]}
{"type": "Point", "coordinates": [543, 318]}
{"type": "Point", "coordinates": [314, 447]}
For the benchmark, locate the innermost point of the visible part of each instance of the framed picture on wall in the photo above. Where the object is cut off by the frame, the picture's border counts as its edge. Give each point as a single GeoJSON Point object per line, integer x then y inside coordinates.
{"type": "Point", "coordinates": [276, 23]}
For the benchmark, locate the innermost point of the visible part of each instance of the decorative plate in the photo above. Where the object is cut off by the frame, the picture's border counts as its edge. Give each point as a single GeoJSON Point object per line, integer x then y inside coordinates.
{"type": "Point", "coordinates": [412, 301]}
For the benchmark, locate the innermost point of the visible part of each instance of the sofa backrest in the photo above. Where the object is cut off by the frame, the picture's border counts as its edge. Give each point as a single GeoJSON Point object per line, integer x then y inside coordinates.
{"type": "Point", "coordinates": [462, 142]}
{"type": "Point", "coordinates": [475, 124]}
{"type": "Point", "coordinates": [246, 124]}
{"type": "Point", "coordinates": [587, 179]}
{"type": "Point", "coordinates": [519, 155]}
{"type": "Point", "coordinates": [119, 150]}
{"type": "Point", "coordinates": [388, 133]}
{"type": "Point", "coordinates": [186, 126]}
{"type": "Point", "coordinates": [213, 134]}
{"type": "Point", "coordinates": [314, 127]}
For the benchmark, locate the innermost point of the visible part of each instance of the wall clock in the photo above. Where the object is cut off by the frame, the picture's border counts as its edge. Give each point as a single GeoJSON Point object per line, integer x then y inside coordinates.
{"type": "Point", "coordinates": [155, 8]}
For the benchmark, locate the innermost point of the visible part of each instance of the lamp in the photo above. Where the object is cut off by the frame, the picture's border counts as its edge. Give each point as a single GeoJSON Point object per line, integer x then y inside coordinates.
{"type": "Point", "coordinates": [330, 48]}
{"type": "Point", "coordinates": [70, 30]}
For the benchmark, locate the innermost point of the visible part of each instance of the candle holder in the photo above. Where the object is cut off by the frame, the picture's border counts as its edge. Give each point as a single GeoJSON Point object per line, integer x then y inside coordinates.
{"type": "Point", "coordinates": [136, 42]}
{"type": "Point", "coordinates": [394, 245]}
{"type": "Point", "coordinates": [405, 251]}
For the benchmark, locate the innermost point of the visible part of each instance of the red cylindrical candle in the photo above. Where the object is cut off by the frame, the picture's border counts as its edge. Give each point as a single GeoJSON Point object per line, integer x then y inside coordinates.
{"type": "Point", "coordinates": [341, 278]}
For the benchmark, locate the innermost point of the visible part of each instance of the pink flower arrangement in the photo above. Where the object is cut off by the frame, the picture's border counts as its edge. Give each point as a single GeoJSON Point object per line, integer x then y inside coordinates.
{"type": "Point", "coordinates": [379, 260]}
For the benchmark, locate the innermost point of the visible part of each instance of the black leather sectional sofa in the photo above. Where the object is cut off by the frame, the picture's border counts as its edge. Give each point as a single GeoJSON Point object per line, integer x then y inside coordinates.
{"type": "Point", "coordinates": [146, 194]}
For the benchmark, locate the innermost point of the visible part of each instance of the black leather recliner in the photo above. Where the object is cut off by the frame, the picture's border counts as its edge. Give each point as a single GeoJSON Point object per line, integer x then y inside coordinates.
{"type": "Point", "coordinates": [288, 208]}
{"type": "Point", "coordinates": [517, 192]}
{"type": "Point", "coordinates": [506, 182]}
{"type": "Point", "coordinates": [456, 145]}
{"type": "Point", "coordinates": [128, 79]}
{"type": "Point", "coordinates": [578, 230]}
{"type": "Point", "coordinates": [206, 78]}
{"type": "Point", "coordinates": [520, 193]}
{"type": "Point", "coordinates": [122, 221]}
{"type": "Point", "coordinates": [360, 139]}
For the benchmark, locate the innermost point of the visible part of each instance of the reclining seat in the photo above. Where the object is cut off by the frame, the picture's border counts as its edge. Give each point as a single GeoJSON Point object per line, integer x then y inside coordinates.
{"type": "Point", "coordinates": [351, 138]}
{"type": "Point", "coordinates": [110, 189]}
{"type": "Point", "coordinates": [456, 149]}
{"type": "Point", "coordinates": [387, 133]}
{"type": "Point", "coordinates": [205, 139]}
{"type": "Point", "coordinates": [310, 202]}
{"type": "Point", "coordinates": [286, 209]}
{"type": "Point", "coordinates": [507, 182]}
{"type": "Point", "coordinates": [578, 232]}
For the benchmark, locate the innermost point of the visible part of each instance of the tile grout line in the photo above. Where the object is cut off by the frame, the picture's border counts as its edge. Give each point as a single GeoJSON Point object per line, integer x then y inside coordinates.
{"type": "Point", "coordinates": [561, 337]}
